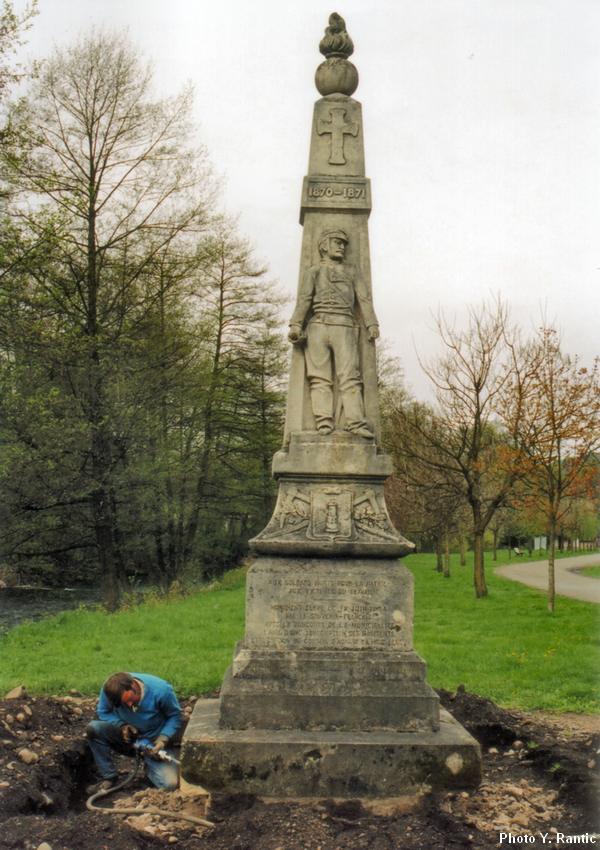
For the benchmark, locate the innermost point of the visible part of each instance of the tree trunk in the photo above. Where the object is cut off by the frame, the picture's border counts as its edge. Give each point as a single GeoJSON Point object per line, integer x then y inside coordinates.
{"type": "Point", "coordinates": [169, 562]}
{"type": "Point", "coordinates": [478, 565]}
{"type": "Point", "coordinates": [208, 437]}
{"type": "Point", "coordinates": [161, 566]}
{"type": "Point", "coordinates": [495, 544]}
{"type": "Point", "coordinates": [551, 557]}
{"type": "Point", "coordinates": [446, 555]}
{"type": "Point", "coordinates": [462, 542]}
{"type": "Point", "coordinates": [111, 584]}
{"type": "Point", "coordinates": [265, 454]}
{"type": "Point", "coordinates": [439, 562]}
{"type": "Point", "coordinates": [102, 513]}
{"type": "Point", "coordinates": [101, 448]}
{"type": "Point", "coordinates": [194, 519]}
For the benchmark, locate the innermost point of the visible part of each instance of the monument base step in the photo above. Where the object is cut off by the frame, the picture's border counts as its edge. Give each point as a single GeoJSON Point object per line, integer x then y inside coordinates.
{"type": "Point", "coordinates": [318, 705]}
{"type": "Point", "coordinates": [292, 763]}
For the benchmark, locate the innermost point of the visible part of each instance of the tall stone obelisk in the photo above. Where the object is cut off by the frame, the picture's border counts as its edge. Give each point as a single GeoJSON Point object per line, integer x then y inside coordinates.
{"type": "Point", "coordinates": [326, 695]}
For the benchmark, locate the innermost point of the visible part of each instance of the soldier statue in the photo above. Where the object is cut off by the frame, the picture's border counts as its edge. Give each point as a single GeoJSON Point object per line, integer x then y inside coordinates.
{"type": "Point", "coordinates": [325, 321]}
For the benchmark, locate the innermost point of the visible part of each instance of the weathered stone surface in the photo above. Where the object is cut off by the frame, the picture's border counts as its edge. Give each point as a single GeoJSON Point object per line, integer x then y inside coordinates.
{"type": "Point", "coordinates": [336, 75]}
{"type": "Point", "coordinates": [328, 645]}
{"type": "Point", "coordinates": [320, 689]}
{"type": "Point", "coordinates": [304, 603]}
{"type": "Point", "coordinates": [334, 301]}
{"type": "Point", "coordinates": [336, 197]}
{"type": "Point", "coordinates": [327, 668]}
{"type": "Point", "coordinates": [337, 137]}
{"type": "Point", "coordinates": [342, 455]}
{"type": "Point", "coordinates": [327, 193]}
{"type": "Point", "coordinates": [333, 518]}
{"type": "Point", "coordinates": [283, 705]}
{"type": "Point", "coordinates": [274, 763]}
{"type": "Point", "coordinates": [331, 500]}
{"type": "Point", "coordinates": [336, 41]}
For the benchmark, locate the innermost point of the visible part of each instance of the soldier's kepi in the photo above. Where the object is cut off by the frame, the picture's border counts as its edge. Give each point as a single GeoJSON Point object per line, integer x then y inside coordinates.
{"type": "Point", "coordinates": [324, 320]}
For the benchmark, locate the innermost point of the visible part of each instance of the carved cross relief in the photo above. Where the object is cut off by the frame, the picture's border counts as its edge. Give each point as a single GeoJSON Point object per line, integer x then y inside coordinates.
{"type": "Point", "coordinates": [337, 127]}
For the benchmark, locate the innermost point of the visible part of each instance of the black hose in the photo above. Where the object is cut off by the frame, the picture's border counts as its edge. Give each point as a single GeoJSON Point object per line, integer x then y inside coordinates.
{"type": "Point", "coordinates": [153, 810]}
{"type": "Point", "coordinates": [106, 791]}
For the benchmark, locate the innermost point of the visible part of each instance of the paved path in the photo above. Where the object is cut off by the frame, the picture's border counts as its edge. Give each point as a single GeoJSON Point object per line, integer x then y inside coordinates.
{"type": "Point", "coordinates": [568, 581]}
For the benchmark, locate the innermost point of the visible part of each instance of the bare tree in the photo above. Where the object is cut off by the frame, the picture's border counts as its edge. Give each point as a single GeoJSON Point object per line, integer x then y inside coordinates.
{"type": "Point", "coordinates": [472, 440]}
{"type": "Point", "coordinates": [423, 499]}
{"type": "Point", "coordinates": [562, 425]}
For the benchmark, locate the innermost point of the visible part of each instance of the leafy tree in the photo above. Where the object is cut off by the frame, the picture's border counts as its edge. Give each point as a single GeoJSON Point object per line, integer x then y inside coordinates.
{"type": "Point", "coordinates": [242, 404]}
{"type": "Point", "coordinates": [140, 356]}
{"type": "Point", "coordinates": [115, 180]}
{"type": "Point", "coordinates": [13, 27]}
{"type": "Point", "coordinates": [562, 425]}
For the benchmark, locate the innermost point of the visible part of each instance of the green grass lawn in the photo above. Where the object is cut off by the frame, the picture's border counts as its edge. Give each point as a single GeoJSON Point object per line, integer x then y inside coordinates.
{"type": "Point", "coordinates": [188, 641]}
{"type": "Point", "coordinates": [505, 647]}
{"type": "Point", "coordinates": [593, 572]}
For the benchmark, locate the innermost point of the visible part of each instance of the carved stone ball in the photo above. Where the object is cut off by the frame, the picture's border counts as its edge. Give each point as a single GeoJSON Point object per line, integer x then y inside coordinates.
{"type": "Point", "coordinates": [336, 76]}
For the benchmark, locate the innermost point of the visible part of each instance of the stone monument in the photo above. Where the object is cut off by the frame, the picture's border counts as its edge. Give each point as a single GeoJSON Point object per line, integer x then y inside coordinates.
{"type": "Point", "coordinates": [326, 696]}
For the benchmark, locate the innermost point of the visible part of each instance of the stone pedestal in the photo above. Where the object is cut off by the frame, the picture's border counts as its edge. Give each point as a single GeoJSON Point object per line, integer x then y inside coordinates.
{"type": "Point", "coordinates": [328, 645]}
{"type": "Point", "coordinates": [326, 695]}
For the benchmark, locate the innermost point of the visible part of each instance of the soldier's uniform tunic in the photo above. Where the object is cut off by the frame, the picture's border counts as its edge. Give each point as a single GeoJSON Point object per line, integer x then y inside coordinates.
{"type": "Point", "coordinates": [327, 297]}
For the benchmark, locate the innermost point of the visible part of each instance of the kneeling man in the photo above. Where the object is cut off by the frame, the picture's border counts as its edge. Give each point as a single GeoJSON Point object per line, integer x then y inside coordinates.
{"type": "Point", "coordinates": [135, 707]}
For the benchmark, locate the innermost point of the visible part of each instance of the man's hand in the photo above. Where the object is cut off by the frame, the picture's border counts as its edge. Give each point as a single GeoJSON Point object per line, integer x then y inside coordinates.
{"type": "Point", "coordinates": [159, 744]}
{"type": "Point", "coordinates": [373, 332]}
{"type": "Point", "coordinates": [295, 334]}
{"type": "Point", "coordinates": [129, 733]}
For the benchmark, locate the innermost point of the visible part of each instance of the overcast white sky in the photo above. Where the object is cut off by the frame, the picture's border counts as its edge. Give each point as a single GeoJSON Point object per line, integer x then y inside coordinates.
{"type": "Point", "coordinates": [482, 137]}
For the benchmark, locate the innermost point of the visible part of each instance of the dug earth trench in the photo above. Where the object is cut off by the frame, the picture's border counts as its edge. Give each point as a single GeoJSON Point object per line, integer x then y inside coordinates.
{"type": "Point", "coordinates": [540, 777]}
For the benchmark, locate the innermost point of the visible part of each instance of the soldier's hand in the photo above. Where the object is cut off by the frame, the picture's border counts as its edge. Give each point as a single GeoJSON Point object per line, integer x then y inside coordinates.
{"type": "Point", "coordinates": [129, 733]}
{"type": "Point", "coordinates": [295, 333]}
{"type": "Point", "coordinates": [373, 332]}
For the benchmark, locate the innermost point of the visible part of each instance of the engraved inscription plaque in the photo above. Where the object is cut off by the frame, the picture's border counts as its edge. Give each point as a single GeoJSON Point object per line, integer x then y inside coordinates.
{"type": "Point", "coordinates": [335, 193]}
{"type": "Point", "coordinates": [331, 606]}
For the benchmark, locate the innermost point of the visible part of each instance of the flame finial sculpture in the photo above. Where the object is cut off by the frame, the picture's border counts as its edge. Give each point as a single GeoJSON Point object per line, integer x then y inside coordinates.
{"type": "Point", "coordinates": [336, 75]}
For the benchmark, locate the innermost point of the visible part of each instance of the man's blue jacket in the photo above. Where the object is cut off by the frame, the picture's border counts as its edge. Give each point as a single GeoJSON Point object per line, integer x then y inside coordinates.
{"type": "Point", "coordinates": [157, 713]}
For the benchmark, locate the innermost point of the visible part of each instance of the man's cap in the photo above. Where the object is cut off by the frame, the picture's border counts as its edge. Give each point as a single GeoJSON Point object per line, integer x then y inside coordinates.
{"type": "Point", "coordinates": [334, 234]}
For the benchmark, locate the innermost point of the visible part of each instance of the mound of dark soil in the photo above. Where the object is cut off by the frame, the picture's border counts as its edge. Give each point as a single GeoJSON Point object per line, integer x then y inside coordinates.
{"type": "Point", "coordinates": [539, 775]}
